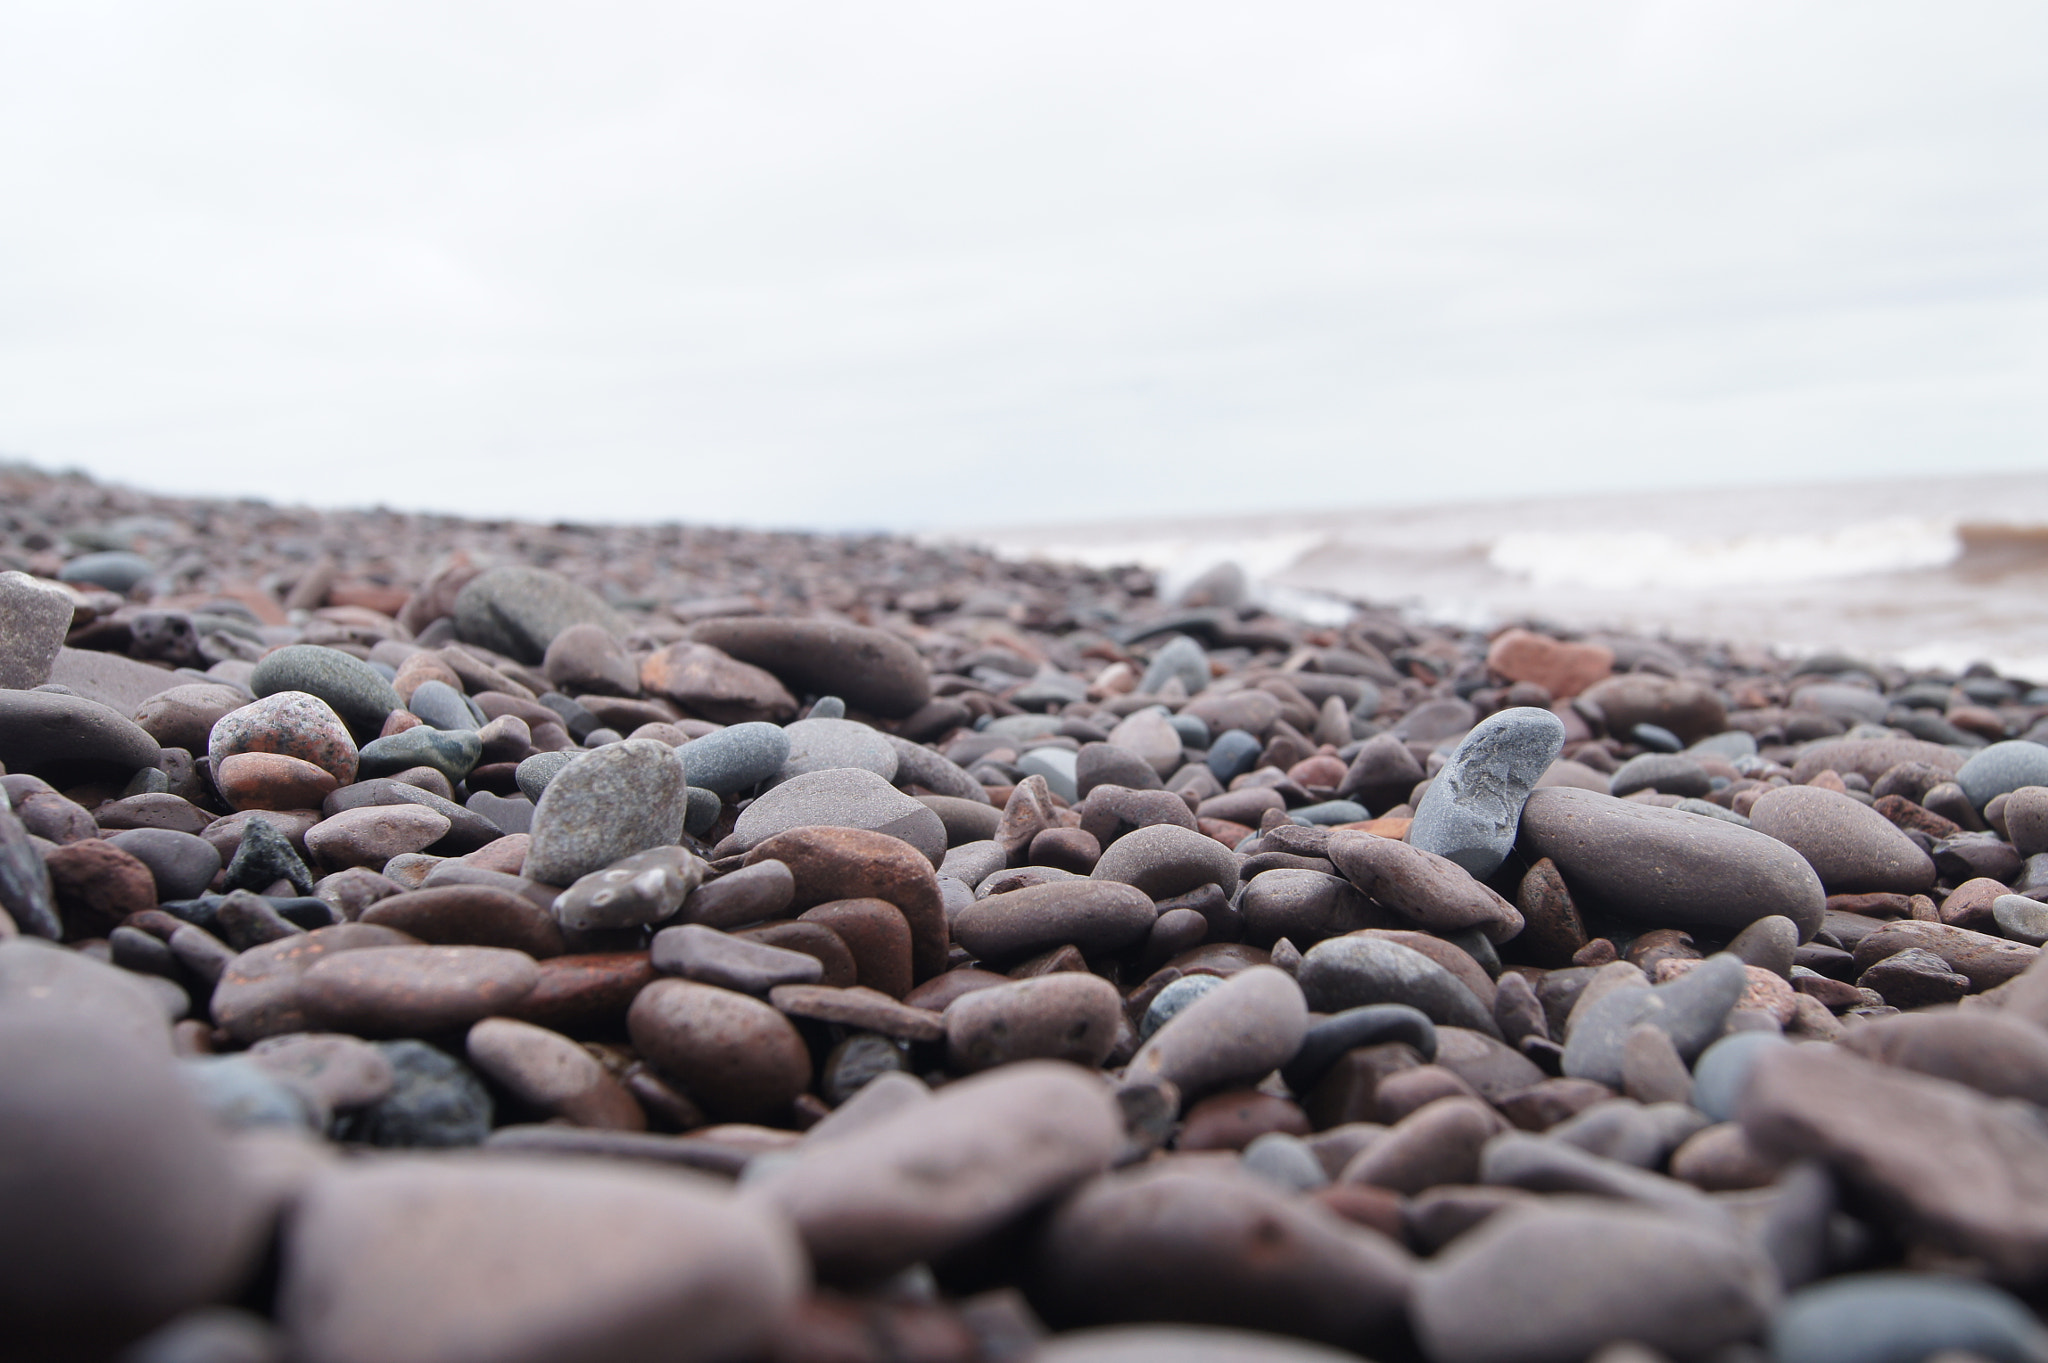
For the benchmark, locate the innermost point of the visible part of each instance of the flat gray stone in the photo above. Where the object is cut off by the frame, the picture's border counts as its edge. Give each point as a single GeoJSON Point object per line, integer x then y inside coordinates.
{"type": "Point", "coordinates": [606, 805]}
{"type": "Point", "coordinates": [827, 744]}
{"type": "Point", "coordinates": [1472, 810]}
{"type": "Point", "coordinates": [845, 797]}
{"type": "Point", "coordinates": [35, 615]}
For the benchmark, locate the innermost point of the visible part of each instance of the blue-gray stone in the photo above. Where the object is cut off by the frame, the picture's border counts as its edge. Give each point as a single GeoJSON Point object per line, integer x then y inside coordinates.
{"type": "Point", "coordinates": [1056, 765]}
{"type": "Point", "coordinates": [350, 686]}
{"type": "Point", "coordinates": [1722, 1071]}
{"type": "Point", "coordinates": [533, 773]}
{"type": "Point", "coordinates": [1371, 1024]}
{"type": "Point", "coordinates": [1350, 972]}
{"type": "Point", "coordinates": [116, 570]}
{"type": "Point", "coordinates": [435, 1100]}
{"type": "Point", "coordinates": [607, 804]}
{"type": "Point", "coordinates": [827, 707]}
{"type": "Point", "coordinates": [1656, 738]}
{"type": "Point", "coordinates": [2001, 768]}
{"type": "Point", "coordinates": [240, 1094]}
{"type": "Point", "coordinates": [705, 807]}
{"type": "Point", "coordinates": [452, 752]}
{"type": "Point", "coordinates": [1170, 1001]}
{"type": "Point", "coordinates": [1731, 745]}
{"type": "Point", "coordinates": [1285, 1161]}
{"type": "Point", "coordinates": [2021, 918]}
{"type": "Point", "coordinates": [1232, 754]}
{"type": "Point", "coordinates": [1329, 812]}
{"type": "Point", "coordinates": [841, 797]}
{"type": "Point", "coordinates": [442, 706]}
{"type": "Point", "coordinates": [1691, 1009]}
{"type": "Point", "coordinates": [597, 738]}
{"type": "Point", "coordinates": [736, 758]}
{"type": "Point", "coordinates": [832, 744]}
{"type": "Point", "coordinates": [1472, 810]}
{"type": "Point", "coordinates": [1182, 657]}
{"type": "Point", "coordinates": [1193, 730]}
{"type": "Point", "coordinates": [507, 813]}
{"type": "Point", "coordinates": [1903, 1318]}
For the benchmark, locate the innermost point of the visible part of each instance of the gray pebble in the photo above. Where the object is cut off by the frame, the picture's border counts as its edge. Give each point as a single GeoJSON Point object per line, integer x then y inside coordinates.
{"type": "Point", "coordinates": [348, 684]}
{"type": "Point", "coordinates": [736, 758]}
{"type": "Point", "coordinates": [534, 773]}
{"type": "Point", "coordinates": [830, 744]}
{"type": "Point", "coordinates": [1473, 808]}
{"type": "Point", "coordinates": [1692, 1009]}
{"type": "Point", "coordinates": [1168, 1002]}
{"type": "Point", "coordinates": [442, 706]}
{"type": "Point", "coordinates": [1285, 1160]}
{"type": "Point", "coordinates": [605, 805]}
{"type": "Point", "coordinates": [1903, 1318]}
{"type": "Point", "coordinates": [435, 1100]}
{"type": "Point", "coordinates": [1721, 1072]}
{"type": "Point", "coordinates": [2001, 768]}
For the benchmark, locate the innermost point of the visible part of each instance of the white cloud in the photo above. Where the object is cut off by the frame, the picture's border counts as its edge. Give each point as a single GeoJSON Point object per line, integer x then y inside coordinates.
{"type": "Point", "coordinates": [915, 264]}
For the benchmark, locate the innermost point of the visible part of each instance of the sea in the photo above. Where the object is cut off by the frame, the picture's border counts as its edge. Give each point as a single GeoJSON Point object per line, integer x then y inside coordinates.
{"type": "Point", "coordinates": [1933, 573]}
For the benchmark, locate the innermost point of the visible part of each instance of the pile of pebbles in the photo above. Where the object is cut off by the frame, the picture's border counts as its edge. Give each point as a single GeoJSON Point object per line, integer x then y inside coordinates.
{"type": "Point", "coordinates": [430, 941]}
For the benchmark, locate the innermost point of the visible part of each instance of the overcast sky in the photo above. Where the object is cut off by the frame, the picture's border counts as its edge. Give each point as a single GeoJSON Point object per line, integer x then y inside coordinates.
{"type": "Point", "coordinates": [917, 265]}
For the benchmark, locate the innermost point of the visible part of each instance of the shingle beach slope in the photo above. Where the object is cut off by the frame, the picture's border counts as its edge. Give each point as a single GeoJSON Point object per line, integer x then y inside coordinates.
{"type": "Point", "coordinates": [437, 941]}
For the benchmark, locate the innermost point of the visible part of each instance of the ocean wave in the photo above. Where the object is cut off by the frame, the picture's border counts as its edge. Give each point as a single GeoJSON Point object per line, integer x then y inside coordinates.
{"type": "Point", "coordinates": [1643, 560]}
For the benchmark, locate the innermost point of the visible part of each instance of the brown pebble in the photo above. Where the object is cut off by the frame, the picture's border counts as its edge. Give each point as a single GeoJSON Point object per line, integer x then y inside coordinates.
{"type": "Point", "coordinates": [737, 1056]}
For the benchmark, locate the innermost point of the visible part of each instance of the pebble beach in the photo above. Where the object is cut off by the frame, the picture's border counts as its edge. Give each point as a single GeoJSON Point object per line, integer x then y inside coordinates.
{"type": "Point", "coordinates": [436, 940]}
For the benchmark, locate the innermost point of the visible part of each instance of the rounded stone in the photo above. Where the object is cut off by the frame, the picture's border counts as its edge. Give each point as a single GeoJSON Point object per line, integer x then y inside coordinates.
{"type": "Point", "coordinates": [932, 1176]}
{"type": "Point", "coordinates": [741, 1058]}
{"type": "Point", "coordinates": [620, 799]}
{"type": "Point", "coordinates": [183, 716]}
{"type": "Point", "coordinates": [1068, 1016]}
{"type": "Point", "coordinates": [1722, 1071]}
{"type": "Point", "coordinates": [294, 723]}
{"type": "Point", "coordinates": [117, 570]}
{"type": "Point", "coordinates": [1903, 1318]}
{"type": "Point", "coordinates": [736, 758]}
{"type": "Point", "coordinates": [1305, 907]}
{"type": "Point", "coordinates": [843, 797]}
{"type": "Point", "coordinates": [413, 990]}
{"type": "Point", "coordinates": [548, 1071]}
{"type": "Point", "coordinates": [355, 690]}
{"type": "Point", "coordinates": [872, 670]}
{"type": "Point", "coordinates": [637, 891]}
{"type": "Point", "coordinates": [272, 781]}
{"type": "Point", "coordinates": [1351, 972]}
{"type": "Point", "coordinates": [35, 615]}
{"type": "Point", "coordinates": [1553, 1284]}
{"type": "Point", "coordinates": [441, 705]}
{"type": "Point", "coordinates": [587, 658]}
{"type": "Point", "coordinates": [518, 611]}
{"type": "Point", "coordinates": [1665, 773]}
{"type": "Point", "coordinates": [825, 744]}
{"type": "Point", "coordinates": [1851, 847]}
{"type": "Point", "coordinates": [533, 773]}
{"type": "Point", "coordinates": [1165, 860]}
{"type": "Point", "coordinates": [470, 915]}
{"type": "Point", "coordinates": [374, 834]}
{"type": "Point", "coordinates": [1423, 887]}
{"type": "Point", "coordinates": [1687, 709]}
{"type": "Point", "coordinates": [2002, 768]}
{"type": "Point", "coordinates": [1472, 809]}
{"type": "Point", "coordinates": [530, 1261]}
{"type": "Point", "coordinates": [182, 864]}
{"type": "Point", "coordinates": [1233, 1036]}
{"type": "Point", "coordinates": [44, 732]}
{"type": "Point", "coordinates": [1218, 1250]}
{"type": "Point", "coordinates": [1097, 917]}
{"type": "Point", "coordinates": [1668, 868]}
{"type": "Point", "coordinates": [124, 1204]}
{"type": "Point", "coordinates": [849, 863]}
